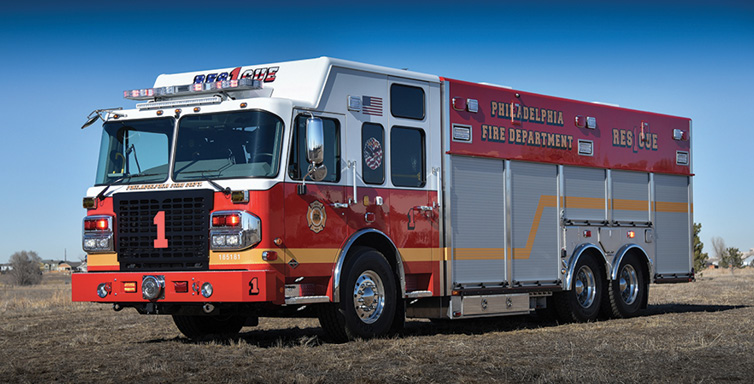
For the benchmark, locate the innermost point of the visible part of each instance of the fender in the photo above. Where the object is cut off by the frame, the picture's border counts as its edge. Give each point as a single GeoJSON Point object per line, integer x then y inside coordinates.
{"type": "Point", "coordinates": [580, 250]}
{"type": "Point", "coordinates": [622, 252]}
{"type": "Point", "coordinates": [338, 269]}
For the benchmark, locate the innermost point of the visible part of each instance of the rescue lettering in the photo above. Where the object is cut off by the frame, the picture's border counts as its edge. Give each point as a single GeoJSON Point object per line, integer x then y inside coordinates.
{"type": "Point", "coordinates": [267, 75]}
{"type": "Point", "coordinates": [518, 112]}
{"type": "Point", "coordinates": [628, 139]}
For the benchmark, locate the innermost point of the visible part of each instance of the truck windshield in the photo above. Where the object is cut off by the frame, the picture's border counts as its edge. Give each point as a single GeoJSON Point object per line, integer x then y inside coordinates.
{"type": "Point", "coordinates": [228, 145]}
{"type": "Point", "coordinates": [135, 151]}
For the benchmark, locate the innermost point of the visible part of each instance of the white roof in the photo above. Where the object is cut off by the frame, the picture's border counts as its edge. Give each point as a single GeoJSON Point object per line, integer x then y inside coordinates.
{"type": "Point", "coordinates": [301, 81]}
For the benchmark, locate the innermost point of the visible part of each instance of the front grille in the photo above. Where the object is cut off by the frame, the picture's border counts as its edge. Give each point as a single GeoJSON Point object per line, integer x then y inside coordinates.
{"type": "Point", "coordinates": [186, 229]}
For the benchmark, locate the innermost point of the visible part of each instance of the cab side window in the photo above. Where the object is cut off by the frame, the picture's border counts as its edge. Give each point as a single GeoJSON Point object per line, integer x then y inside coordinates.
{"type": "Point", "coordinates": [298, 165]}
{"type": "Point", "coordinates": [407, 157]}
{"type": "Point", "coordinates": [407, 102]}
{"type": "Point", "coordinates": [373, 153]}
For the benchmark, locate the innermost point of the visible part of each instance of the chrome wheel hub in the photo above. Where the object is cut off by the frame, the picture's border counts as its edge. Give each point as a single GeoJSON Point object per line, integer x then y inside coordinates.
{"type": "Point", "coordinates": [628, 284]}
{"type": "Point", "coordinates": [369, 297]}
{"type": "Point", "coordinates": [585, 287]}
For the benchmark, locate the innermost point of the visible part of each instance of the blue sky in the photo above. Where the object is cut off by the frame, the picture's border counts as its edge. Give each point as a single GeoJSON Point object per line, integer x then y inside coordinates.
{"type": "Point", "coordinates": [61, 60]}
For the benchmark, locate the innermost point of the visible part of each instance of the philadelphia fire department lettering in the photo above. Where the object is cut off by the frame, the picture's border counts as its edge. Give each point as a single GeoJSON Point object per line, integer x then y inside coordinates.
{"type": "Point", "coordinates": [316, 216]}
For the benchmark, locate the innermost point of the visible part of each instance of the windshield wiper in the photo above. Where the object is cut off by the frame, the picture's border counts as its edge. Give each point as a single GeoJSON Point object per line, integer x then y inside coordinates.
{"type": "Point", "coordinates": [220, 188]}
{"type": "Point", "coordinates": [101, 194]}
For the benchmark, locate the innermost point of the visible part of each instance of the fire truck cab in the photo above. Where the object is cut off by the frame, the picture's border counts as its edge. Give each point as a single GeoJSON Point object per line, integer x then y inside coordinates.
{"type": "Point", "coordinates": [363, 194]}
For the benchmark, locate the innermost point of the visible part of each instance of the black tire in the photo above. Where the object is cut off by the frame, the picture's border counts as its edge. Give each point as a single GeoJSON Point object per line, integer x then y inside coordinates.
{"type": "Point", "coordinates": [627, 293]}
{"type": "Point", "coordinates": [369, 278]}
{"type": "Point", "coordinates": [582, 302]}
{"type": "Point", "coordinates": [198, 327]}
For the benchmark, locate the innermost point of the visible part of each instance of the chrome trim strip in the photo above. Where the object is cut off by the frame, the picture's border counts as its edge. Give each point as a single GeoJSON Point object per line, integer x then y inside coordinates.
{"type": "Point", "coordinates": [445, 228]}
{"type": "Point", "coordinates": [609, 195]}
{"type": "Point", "coordinates": [306, 300]}
{"type": "Point", "coordinates": [619, 258]}
{"type": "Point", "coordinates": [342, 258]}
{"type": "Point", "coordinates": [417, 294]}
{"type": "Point", "coordinates": [560, 206]}
{"type": "Point", "coordinates": [508, 223]}
{"type": "Point", "coordinates": [575, 259]}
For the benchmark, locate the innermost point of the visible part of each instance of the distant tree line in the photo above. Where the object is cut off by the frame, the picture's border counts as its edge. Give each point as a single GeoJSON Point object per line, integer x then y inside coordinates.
{"type": "Point", "coordinates": [26, 268]}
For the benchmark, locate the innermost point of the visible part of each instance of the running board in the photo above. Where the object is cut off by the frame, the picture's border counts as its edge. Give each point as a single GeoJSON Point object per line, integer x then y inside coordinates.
{"type": "Point", "coordinates": [418, 294]}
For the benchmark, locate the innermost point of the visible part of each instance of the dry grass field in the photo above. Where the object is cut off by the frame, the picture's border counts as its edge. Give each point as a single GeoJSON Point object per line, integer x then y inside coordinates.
{"type": "Point", "coordinates": [697, 332]}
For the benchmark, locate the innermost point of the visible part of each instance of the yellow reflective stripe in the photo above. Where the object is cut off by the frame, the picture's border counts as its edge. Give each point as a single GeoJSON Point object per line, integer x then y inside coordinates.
{"type": "Point", "coordinates": [630, 205]}
{"type": "Point", "coordinates": [575, 202]}
{"type": "Point", "coordinates": [666, 206]}
{"type": "Point", "coordinates": [102, 259]}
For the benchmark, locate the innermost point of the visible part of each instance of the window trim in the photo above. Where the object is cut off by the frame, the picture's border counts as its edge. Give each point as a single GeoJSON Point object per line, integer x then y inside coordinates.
{"type": "Point", "coordinates": [424, 102]}
{"type": "Point", "coordinates": [293, 145]}
{"type": "Point", "coordinates": [424, 156]}
{"type": "Point", "coordinates": [280, 160]}
{"type": "Point", "coordinates": [384, 153]}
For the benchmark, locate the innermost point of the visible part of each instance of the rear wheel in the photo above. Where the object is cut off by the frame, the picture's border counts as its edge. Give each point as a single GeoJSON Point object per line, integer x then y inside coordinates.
{"type": "Point", "coordinates": [627, 292]}
{"type": "Point", "coordinates": [197, 327]}
{"type": "Point", "coordinates": [582, 302]}
{"type": "Point", "coordinates": [368, 299]}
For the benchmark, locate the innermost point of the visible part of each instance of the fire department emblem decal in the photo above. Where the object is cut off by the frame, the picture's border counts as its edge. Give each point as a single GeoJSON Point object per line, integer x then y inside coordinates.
{"type": "Point", "coordinates": [316, 216]}
{"type": "Point", "coordinates": [373, 153]}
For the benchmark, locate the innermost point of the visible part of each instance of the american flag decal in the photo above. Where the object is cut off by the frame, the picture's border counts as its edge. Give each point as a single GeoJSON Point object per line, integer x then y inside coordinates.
{"type": "Point", "coordinates": [371, 105]}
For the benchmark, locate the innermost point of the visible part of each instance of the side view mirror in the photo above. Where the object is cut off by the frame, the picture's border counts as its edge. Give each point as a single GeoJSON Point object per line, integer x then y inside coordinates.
{"type": "Point", "coordinates": [315, 148]}
{"type": "Point", "coordinates": [315, 141]}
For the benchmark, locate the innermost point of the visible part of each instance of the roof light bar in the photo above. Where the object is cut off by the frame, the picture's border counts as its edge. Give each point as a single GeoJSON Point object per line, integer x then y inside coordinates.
{"type": "Point", "coordinates": [193, 89]}
{"type": "Point", "coordinates": [179, 103]}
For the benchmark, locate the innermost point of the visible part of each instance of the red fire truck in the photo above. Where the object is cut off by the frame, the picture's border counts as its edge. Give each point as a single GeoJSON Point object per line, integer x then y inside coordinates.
{"type": "Point", "coordinates": [364, 195]}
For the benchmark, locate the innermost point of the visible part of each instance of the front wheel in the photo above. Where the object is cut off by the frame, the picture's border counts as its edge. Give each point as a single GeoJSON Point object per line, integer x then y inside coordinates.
{"type": "Point", "coordinates": [368, 299]}
{"type": "Point", "coordinates": [582, 302]}
{"type": "Point", "coordinates": [626, 293]}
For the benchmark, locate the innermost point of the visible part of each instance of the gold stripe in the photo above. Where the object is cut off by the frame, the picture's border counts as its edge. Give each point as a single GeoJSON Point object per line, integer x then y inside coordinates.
{"type": "Point", "coordinates": [416, 254]}
{"type": "Point", "coordinates": [665, 206]}
{"type": "Point", "coordinates": [584, 202]}
{"type": "Point", "coordinates": [479, 253]}
{"type": "Point", "coordinates": [630, 205]}
{"type": "Point", "coordinates": [102, 259]}
{"type": "Point", "coordinates": [544, 202]}
{"type": "Point", "coordinates": [249, 256]}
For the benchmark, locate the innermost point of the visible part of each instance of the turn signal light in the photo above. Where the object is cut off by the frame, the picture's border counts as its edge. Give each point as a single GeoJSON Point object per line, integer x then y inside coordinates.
{"type": "Point", "coordinates": [129, 287]}
{"type": "Point", "coordinates": [181, 286]}
{"type": "Point", "coordinates": [631, 234]}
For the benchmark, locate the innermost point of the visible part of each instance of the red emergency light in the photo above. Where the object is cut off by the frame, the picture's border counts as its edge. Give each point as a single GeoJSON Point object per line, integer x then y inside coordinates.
{"type": "Point", "coordinates": [231, 220]}
{"type": "Point", "coordinates": [99, 224]}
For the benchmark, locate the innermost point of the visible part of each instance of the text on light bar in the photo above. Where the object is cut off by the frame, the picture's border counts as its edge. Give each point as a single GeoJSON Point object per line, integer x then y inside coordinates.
{"type": "Point", "coordinates": [192, 89]}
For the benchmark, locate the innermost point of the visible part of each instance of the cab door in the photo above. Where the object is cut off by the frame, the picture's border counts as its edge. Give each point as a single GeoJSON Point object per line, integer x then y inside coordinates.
{"type": "Point", "coordinates": [315, 216]}
{"type": "Point", "coordinates": [413, 149]}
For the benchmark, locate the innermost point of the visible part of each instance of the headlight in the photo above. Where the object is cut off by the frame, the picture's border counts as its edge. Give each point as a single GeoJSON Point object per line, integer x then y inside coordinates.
{"type": "Point", "coordinates": [207, 290]}
{"type": "Point", "coordinates": [151, 287]}
{"type": "Point", "coordinates": [234, 230]}
{"type": "Point", "coordinates": [98, 234]}
{"type": "Point", "coordinates": [103, 290]}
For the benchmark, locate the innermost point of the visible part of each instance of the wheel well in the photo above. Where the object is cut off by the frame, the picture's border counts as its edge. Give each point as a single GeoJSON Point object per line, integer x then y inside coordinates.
{"type": "Point", "coordinates": [377, 240]}
{"type": "Point", "coordinates": [587, 251]}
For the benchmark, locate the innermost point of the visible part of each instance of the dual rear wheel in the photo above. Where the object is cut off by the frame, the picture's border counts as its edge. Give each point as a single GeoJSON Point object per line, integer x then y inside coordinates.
{"type": "Point", "coordinates": [592, 294]}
